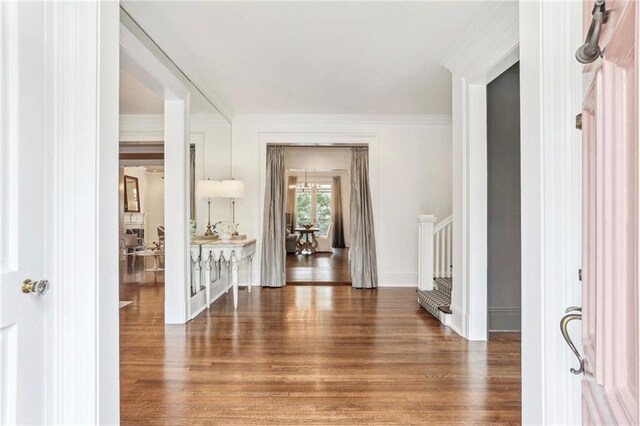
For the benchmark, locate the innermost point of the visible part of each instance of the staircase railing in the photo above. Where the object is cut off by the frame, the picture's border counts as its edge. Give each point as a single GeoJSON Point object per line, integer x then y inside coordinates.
{"type": "Point", "coordinates": [443, 249]}
{"type": "Point", "coordinates": [435, 253]}
{"type": "Point", "coordinates": [435, 250]}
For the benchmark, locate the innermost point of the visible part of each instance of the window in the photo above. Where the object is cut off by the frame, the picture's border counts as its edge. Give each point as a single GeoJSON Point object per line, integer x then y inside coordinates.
{"type": "Point", "coordinates": [314, 206]}
{"type": "Point", "coordinates": [304, 214]}
{"type": "Point", "coordinates": [323, 207]}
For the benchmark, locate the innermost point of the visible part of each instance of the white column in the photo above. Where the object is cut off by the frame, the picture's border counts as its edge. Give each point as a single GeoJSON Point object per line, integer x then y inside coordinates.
{"type": "Point", "coordinates": [475, 304]}
{"type": "Point", "coordinates": [426, 223]}
{"type": "Point", "coordinates": [176, 208]}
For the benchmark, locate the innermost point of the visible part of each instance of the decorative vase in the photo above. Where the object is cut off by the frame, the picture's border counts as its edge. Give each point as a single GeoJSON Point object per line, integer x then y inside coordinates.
{"type": "Point", "coordinates": [225, 237]}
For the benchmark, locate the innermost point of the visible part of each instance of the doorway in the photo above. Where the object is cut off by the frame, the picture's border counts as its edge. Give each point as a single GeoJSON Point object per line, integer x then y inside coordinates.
{"type": "Point", "coordinates": [317, 215]}
{"type": "Point", "coordinates": [141, 204]}
{"type": "Point", "coordinates": [503, 202]}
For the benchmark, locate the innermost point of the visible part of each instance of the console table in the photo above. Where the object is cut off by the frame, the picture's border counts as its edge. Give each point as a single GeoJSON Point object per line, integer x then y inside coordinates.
{"type": "Point", "coordinates": [205, 254]}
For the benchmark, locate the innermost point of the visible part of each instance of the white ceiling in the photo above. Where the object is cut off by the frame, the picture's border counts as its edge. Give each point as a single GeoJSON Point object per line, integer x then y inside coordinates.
{"type": "Point", "coordinates": [135, 98]}
{"type": "Point", "coordinates": [313, 57]}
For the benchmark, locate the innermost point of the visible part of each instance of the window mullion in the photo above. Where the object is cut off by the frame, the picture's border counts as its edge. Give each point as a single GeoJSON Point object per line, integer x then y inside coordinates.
{"type": "Point", "coordinates": [314, 204]}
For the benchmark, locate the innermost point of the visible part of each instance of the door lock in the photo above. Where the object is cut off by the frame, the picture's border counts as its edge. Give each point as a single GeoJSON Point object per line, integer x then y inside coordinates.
{"type": "Point", "coordinates": [39, 287]}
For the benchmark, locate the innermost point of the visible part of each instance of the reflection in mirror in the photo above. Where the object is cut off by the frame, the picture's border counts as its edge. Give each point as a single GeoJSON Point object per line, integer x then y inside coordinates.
{"type": "Point", "coordinates": [132, 194]}
{"type": "Point", "coordinates": [209, 156]}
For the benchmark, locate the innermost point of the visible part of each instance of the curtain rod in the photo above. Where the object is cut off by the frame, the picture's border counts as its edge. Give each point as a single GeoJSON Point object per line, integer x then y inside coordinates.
{"type": "Point", "coordinates": [318, 145]}
{"type": "Point", "coordinates": [316, 170]}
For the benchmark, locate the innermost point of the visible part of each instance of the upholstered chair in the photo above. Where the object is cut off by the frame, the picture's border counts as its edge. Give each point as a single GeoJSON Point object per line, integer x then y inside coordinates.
{"type": "Point", "coordinates": [325, 241]}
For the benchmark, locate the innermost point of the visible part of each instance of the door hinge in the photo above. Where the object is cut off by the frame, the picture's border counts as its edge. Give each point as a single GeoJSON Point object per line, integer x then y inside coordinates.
{"type": "Point", "coordinates": [580, 274]}
{"type": "Point", "coordinates": [579, 121]}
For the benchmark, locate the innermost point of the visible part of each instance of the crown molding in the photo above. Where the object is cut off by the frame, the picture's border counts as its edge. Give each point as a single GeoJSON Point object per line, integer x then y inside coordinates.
{"type": "Point", "coordinates": [156, 121]}
{"type": "Point", "coordinates": [403, 119]}
{"type": "Point", "coordinates": [147, 119]}
{"type": "Point", "coordinates": [489, 39]}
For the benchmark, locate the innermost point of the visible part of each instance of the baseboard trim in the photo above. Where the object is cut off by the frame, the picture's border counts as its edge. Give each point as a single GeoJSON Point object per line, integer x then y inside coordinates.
{"type": "Point", "coordinates": [456, 319]}
{"type": "Point", "coordinates": [397, 279]}
{"type": "Point", "coordinates": [504, 319]}
{"type": "Point", "coordinates": [396, 285]}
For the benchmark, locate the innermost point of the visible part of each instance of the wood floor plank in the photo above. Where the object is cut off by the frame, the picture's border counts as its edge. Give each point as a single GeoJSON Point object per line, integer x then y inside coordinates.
{"type": "Point", "coordinates": [319, 268]}
{"type": "Point", "coordinates": [299, 355]}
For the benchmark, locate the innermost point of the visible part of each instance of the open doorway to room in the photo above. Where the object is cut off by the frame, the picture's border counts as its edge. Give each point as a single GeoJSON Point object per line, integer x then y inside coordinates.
{"type": "Point", "coordinates": [141, 206]}
{"type": "Point", "coordinates": [503, 202]}
{"type": "Point", "coordinates": [317, 215]}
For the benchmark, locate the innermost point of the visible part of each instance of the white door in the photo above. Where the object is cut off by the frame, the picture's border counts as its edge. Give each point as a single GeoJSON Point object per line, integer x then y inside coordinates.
{"type": "Point", "coordinates": [610, 218]}
{"type": "Point", "coordinates": [22, 212]}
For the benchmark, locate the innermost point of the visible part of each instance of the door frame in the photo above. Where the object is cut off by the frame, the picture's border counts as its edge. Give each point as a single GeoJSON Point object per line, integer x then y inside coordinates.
{"type": "Point", "coordinates": [551, 188]}
{"type": "Point", "coordinates": [311, 139]}
{"type": "Point", "coordinates": [485, 51]}
{"type": "Point", "coordinates": [81, 106]}
{"type": "Point", "coordinates": [82, 110]}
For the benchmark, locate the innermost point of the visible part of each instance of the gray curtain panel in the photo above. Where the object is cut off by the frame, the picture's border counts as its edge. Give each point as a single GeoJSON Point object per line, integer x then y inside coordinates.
{"type": "Point", "coordinates": [291, 201]}
{"type": "Point", "coordinates": [362, 245]}
{"type": "Point", "coordinates": [337, 216]}
{"type": "Point", "coordinates": [272, 269]}
{"type": "Point", "coordinates": [192, 180]}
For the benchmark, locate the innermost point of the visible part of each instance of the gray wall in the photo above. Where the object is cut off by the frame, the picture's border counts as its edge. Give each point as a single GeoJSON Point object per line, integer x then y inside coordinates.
{"type": "Point", "coordinates": [503, 156]}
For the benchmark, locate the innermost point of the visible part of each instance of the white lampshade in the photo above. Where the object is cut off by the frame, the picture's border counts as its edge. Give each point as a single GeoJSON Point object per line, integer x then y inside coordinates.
{"type": "Point", "coordinates": [232, 188]}
{"type": "Point", "coordinates": [209, 189]}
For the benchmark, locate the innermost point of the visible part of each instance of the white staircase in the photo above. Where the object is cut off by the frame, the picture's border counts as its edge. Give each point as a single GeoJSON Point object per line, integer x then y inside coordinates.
{"type": "Point", "coordinates": [435, 265]}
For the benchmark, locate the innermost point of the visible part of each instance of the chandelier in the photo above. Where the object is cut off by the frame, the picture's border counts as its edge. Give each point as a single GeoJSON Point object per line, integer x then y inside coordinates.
{"type": "Point", "coordinates": [304, 185]}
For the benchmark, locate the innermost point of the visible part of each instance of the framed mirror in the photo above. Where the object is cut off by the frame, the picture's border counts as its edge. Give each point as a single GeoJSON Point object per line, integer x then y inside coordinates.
{"type": "Point", "coordinates": [131, 195]}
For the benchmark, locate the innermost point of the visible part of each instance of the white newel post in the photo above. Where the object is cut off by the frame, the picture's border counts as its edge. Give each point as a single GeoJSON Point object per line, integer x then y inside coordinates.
{"type": "Point", "coordinates": [426, 223]}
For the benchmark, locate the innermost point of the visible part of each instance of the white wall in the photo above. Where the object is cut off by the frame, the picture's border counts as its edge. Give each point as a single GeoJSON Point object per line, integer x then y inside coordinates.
{"type": "Point", "coordinates": [213, 154]}
{"type": "Point", "coordinates": [154, 194]}
{"type": "Point", "coordinates": [413, 163]}
{"type": "Point", "coordinates": [317, 158]}
{"type": "Point", "coordinates": [336, 162]}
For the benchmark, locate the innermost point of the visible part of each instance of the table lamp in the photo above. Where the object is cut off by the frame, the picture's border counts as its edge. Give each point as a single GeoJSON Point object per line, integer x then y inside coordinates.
{"type": "Point", "coordinates": [208, 189]}
{"type": "Point", "coordinates": [232, 189]}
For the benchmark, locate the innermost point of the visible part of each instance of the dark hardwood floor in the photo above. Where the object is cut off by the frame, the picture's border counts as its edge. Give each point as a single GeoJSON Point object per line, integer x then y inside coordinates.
{"type": "Point", "coordinates": [328, 355]}
{"type": "Point", "coordinates": [319, 268]}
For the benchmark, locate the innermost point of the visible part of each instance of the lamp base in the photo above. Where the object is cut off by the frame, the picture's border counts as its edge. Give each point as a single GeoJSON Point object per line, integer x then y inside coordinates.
{"type": "Point", "coordinates": [208, 232]}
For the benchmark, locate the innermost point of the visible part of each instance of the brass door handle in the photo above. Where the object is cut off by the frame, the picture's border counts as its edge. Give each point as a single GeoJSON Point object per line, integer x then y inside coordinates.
{"type": "Point", "coordinates": [39, 287]}
{"type": "Point", "coordinates": [565, 333]}
{"type": "Point", "coordinates": [590, 50]}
